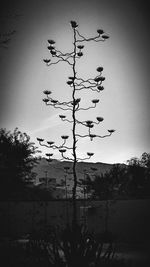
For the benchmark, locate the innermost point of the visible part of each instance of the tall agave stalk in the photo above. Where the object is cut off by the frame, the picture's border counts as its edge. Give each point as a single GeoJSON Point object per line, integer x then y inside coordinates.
{"type": "Point", "coordinates": [77, 84]}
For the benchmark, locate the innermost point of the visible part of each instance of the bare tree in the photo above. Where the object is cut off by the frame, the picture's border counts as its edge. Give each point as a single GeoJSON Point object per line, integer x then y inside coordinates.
{"type": "Point", "coordinates": [77, 84]}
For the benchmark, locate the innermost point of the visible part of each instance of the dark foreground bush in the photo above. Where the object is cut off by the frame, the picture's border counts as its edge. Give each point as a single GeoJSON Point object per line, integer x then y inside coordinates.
{"type": "Point", "coordinates": [72, 247]}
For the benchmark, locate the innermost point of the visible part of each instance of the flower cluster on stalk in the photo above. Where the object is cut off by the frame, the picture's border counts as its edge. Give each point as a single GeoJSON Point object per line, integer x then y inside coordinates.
{"type": "Point", "coordinates": [77, 84]}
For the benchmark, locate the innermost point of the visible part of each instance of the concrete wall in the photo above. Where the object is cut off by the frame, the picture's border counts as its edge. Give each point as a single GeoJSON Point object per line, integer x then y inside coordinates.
{"type": "Point", "coordinates": [129, 220]}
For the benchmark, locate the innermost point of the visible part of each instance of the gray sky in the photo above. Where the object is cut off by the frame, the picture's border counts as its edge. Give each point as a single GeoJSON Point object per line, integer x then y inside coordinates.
{"type": "Point", "coordinates": [124, 103]}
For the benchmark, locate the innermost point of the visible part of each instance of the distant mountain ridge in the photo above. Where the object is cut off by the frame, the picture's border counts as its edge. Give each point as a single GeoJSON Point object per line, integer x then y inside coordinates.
{"type": "Point", "coordinates": [56, 169]}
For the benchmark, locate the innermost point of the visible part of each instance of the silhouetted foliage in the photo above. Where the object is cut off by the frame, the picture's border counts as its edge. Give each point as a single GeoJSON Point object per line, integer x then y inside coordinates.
{"type": "Point", "coordinates": [102, 186]}
{"type": "Point", "coordinates": [17, 158]}
{"type": "Point", "coordinates": [70, 247]}
{"type": "Point", "coordinates": [138, 174]}
{"type": "Point", "coordinates": [145, 162]}
{"type": "Point", "coordinates": [125, 181]}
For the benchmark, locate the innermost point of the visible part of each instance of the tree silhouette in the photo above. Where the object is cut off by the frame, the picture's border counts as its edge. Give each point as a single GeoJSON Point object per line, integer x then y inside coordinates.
{"type": "Point", "coordinates": [17, 158]}
{"type": "Point", "coordinates": [77, 84]}
{"type": "Point", "coordinates": [137, 177]}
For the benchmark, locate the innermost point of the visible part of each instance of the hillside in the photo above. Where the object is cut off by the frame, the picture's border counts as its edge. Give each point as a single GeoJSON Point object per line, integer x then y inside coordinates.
{"type": "Point", "coordinates": [56, 169]}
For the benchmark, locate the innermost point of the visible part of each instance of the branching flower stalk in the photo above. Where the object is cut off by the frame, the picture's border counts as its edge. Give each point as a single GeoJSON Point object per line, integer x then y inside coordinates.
{"type": "Point", "coordinates": [77, 84]}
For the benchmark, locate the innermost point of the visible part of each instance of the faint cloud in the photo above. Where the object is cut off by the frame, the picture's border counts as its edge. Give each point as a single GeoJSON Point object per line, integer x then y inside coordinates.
{"type": "Point", "coordinates": [49, 123]}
